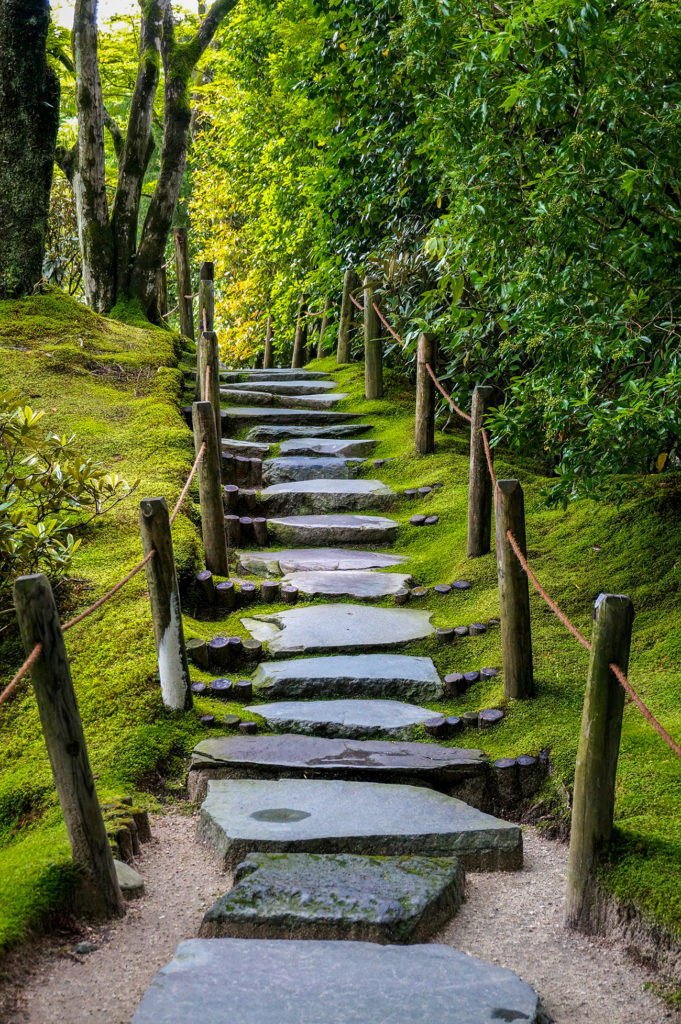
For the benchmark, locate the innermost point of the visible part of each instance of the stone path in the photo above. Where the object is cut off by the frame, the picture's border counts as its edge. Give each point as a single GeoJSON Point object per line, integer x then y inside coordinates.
{"type": "Point", "coordinates": [342, 827]}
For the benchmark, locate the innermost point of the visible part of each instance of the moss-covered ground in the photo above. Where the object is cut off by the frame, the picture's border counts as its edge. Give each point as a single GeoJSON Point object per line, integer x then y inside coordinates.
{"type": "Point", "coordinates": [100, 379]}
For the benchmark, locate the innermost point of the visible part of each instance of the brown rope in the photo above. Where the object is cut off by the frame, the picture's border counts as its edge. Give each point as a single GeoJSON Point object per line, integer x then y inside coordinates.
{"type": "Point", "coordinates": [488, 456]}
{"type": "Point", "coordinates": [386, 324]}
{"type": "Point", "coordinates": [9, 690]}
{"type": "Point", "coordinates": [436, 382]}
{"type": "Point", "coordinates": [358, 304]}
{"type": "Point", "coordinates": [188, 483]}
{"type": "Point", "coordinates": [615, 669]}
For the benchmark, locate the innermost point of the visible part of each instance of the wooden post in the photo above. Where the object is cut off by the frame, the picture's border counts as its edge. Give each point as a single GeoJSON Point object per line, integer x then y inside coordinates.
{"type": "Point", "coordinates": [594, 794]}
{"type": "Point", "coordinates": [207, 296]}
{"type": "Point", "coordinates": [38, 619]}
{"type": "Point", "coordinates": [267, 360]}
{"type": "Point", "coordinates": [514, 596]}
{"type": "Point", "coordinates": [166, 611]}
{"type": "Point", "coordinates": [322, 327]}
{"type": "Point", "coordinates": [210, 492]}
{"type": "Point", "coordinates": [184, 283]}
{"type": "Point", "coordinates": [373, 345]}
{"type": "Point", "coordinates": [209, 355]}
{"type": "Point", "coordinates": [425, 396]}
{"type": "Point", "coordinates": [479, 480]}
{"type": "Point", "coordinates": [350, 283]}
{"type": "Point", "coordinates": [301, 338]}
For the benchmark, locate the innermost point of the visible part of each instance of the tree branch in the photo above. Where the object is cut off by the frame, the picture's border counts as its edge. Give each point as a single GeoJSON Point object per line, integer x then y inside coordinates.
{"type": "Point", "coordinates": [115, 133]}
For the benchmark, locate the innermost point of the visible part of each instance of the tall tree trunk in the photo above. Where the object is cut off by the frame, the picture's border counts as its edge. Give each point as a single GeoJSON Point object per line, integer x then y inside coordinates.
{"type": "Point", "coordinates": [29, 118]}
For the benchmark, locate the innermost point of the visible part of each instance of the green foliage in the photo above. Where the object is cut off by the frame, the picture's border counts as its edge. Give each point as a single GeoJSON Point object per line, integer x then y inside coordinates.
{"type": "Point", "coordinates": [47, 489]}
{"type": "Point", "coordinates": [509, 173]}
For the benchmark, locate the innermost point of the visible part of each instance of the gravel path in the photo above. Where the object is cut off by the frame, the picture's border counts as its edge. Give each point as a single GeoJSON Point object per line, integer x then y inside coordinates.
{"type": "Point", "coordinates": [514, 920]}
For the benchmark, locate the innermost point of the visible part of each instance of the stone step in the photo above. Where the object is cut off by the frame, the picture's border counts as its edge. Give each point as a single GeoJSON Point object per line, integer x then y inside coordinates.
{"type": "Point", "coordinates": [313, 816]}
{"type": "Point", "coordinates": [249, 449]}
{"type": "Point", "coordinates": [341, 896]}
{"type": "Point", "coordinates": [245, 415]}
{"type": "Point", "coordinates": [349, 675]}
{"type": "Point", "coordinates": [461, 772]}
{"type": "Point", "coordinates": [277, 563]}
{"type": "Point", "coordinates": [266, 399]}
{"type": "Point", "coordinates": [332, 529]}
{"type": "Point", "coordinates": [360, 585]}
{"type": "Point", "coordinates": [345, 718]}
{"type": "Point", "coordinates": [280, 374]}
{"type": "Point", "coordinates": [276, 434]}
{"type": "Point", "coordinates": [310, 497]}
{"type": "Point", "coordinates": [310, 446]}
{"type": "Point", "coordinates": [341, 627]}
{"type": "Point", "coordinates": [288, 387]}
{"type": "Point", "coordinates": [287, 469]}
{"type": "Point", "coordinates": [266, 981]}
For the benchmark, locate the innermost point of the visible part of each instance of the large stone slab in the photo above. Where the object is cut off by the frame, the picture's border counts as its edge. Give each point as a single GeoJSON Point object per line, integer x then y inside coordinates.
{"type": "Point", "coordinates": [276, 563]}
{"type": "Point", "coordinates": [275, 434]}
{"type": "Point", "coordinates": [288, 387]}
{"type": "Point", "coordinates": [332, 529]}
{"type": "Point", "coordinates": [284, 470]}
{"type": "Point", "coordinates": [346, 718]}
{"type": "Point", "coordinates": [244, 415]}
{"type": "Point", "coordinates": [350, 448]}
{"type": "Point", "coordinates": [309, 497]}
{"type": "Point", "coordinates": [362, 584]}
{"type": "Point", "coordinates": [349, 675]}
{"type": "Point", "coordinates": [460, 772]}
{"type": "Point", "coordinates": [311, 816]}
{"type": "Point", "coordinates": [249, 449]}
{"type": "Point", "coordinates": [280, 374]}
{"type": "Point", "coordinates": [340, 627]}
{"type": "Point", "coordinates": [341, 896]}
{"type": "Point", "coordinates": [266, 981]}
{"type": "Point", "coordinates": [241, 396]}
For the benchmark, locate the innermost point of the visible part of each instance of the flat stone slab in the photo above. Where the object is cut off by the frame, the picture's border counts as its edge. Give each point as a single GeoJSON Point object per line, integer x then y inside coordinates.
{"type": "Point", "coordinates": [349, 675]}
{"type": "Point", "coordinates": [332, 529]}
{"type": "Point", "coordinates": [341, 896]}
{"type": "Point", "coordinates": [266, 399]}
{"type": "Point", "coordinates": [280, 374]}
{"type": "Point", "coordinates": [274, 434]}
{"type": "Point", "coordinates": [276, 563]}
{"type": "Point", "coordinates": [456, 771]}
{"type": "Point", "coordinates": [360, 584]}
{"type": "Point", "coordinates": [249, 449]}
{"type": "Point", "coordinates": [308, 497]}
{"type": "Point", "coordinates": [287, 387]}
{"type": "Point", "coordinates": [352, 448]}
{"type": "Point", "coordinates": [266, 981]}
{"type": "Point", "coordinates": [242, 415]}
{"type": "Point", "coordinates": [338, 627]}
{"type": "Point", "coordinates": [311, 816]}
{"type": "Point", "coordinates": [348, 719]}
{"type": "Point", "coordinates": [284, 470]}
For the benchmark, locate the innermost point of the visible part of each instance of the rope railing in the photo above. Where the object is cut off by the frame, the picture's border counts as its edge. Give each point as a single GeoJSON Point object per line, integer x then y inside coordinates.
{"type": "Point", "coordinates": [386, 324]}
{"type": "Point", "coordinates": [543, 593]}
{"type": "Point", "coordinates": [358, 304]}
{"type": "Point", "coordinates": [30, 660]}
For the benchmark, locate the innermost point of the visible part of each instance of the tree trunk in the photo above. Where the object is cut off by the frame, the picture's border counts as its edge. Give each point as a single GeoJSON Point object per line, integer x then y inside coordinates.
{"type": "Point", "coordinates": [29, 118]}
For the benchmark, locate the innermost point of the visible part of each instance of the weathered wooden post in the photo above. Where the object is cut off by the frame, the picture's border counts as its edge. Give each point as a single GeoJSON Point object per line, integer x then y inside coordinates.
{"type": "Point", "coordinates": [514, 595]}
{"type": "Point", "coordinates": [301, 338]}
{"type": "Point", "coordinates": [164, 598]}
{"type": "Point", "coordinates": [209, 356]}
{"type": "Point", "coordinates": [38, 619]}
{"type": "Point", "coordinates": [479, 479]}
{"type": "Point", "coordinates": [425, 396]}
{"type": "Point", "coordinates": [210, 490]}
{"type": "Point", "coordinates": [594, 794]}
{"type": "Point", "coordinates": [184, 282]}
{"type": "Point", "coordinates": [207, 296]}
{"type": "Point", "coordinates": [322, 327]}
{"type": "Point", "coordinates": [267, 360]}
{"type": "Point", "coordinates": [350, 284]}
{"type": "Point", "coordinates": [373, 345]}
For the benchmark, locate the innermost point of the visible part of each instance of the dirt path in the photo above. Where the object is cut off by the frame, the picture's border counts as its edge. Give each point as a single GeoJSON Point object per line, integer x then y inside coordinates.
{"type": "Point", "coordinates": [514, 920]}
